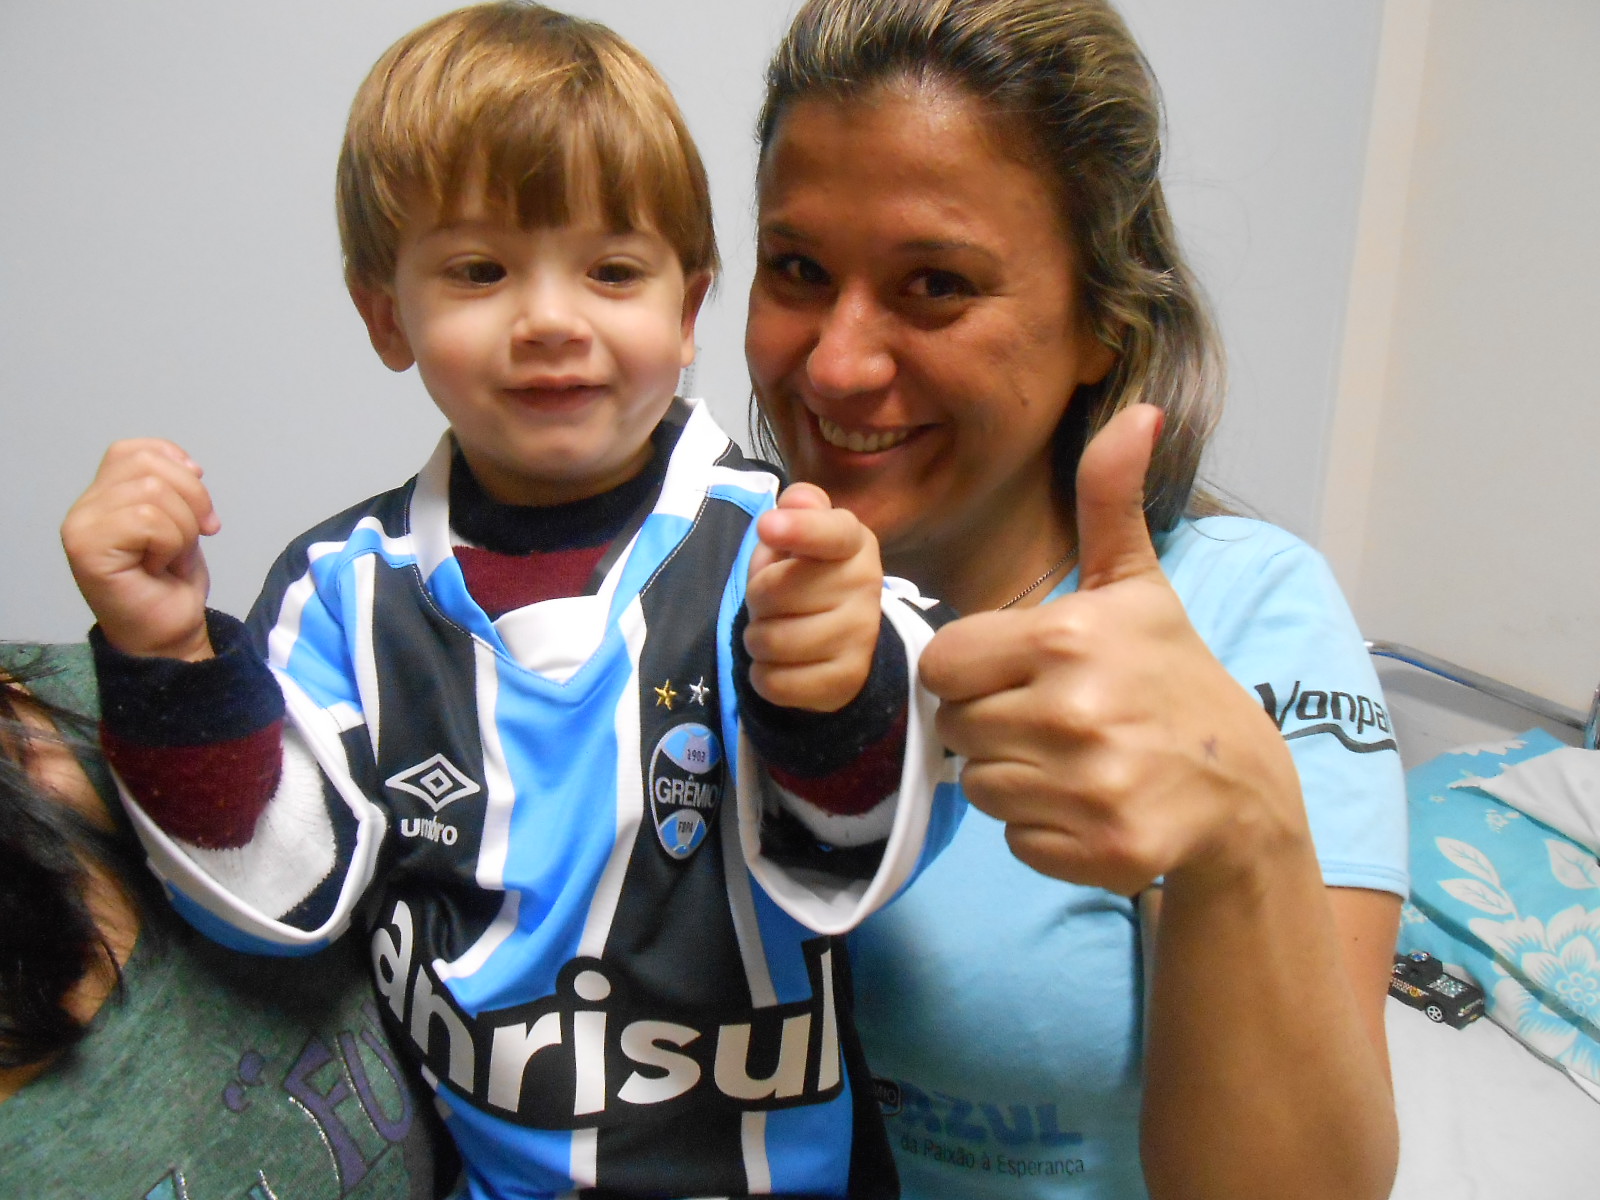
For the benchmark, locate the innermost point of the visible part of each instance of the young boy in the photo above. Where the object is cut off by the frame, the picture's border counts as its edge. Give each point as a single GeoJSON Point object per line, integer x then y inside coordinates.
{"type": "Point", "coordinates": [498, 705]}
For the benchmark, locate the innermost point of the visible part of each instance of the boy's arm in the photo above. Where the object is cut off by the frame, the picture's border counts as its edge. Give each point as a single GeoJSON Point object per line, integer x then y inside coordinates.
{"type": "Point", "coordinates": [843, 810]}
{"type": "Point", "coordinates": [836, 773]}
{"type": "Point", "coordinates": [191, 719]}
{"type": "Point", "coordinates": [819, 670]}
{"type": "Point", "coordinates": [226, 796]}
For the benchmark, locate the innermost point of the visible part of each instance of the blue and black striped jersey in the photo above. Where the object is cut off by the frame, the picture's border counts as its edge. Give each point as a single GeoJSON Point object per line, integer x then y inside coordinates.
{"type": "Point", "coordinates": [552, 828]}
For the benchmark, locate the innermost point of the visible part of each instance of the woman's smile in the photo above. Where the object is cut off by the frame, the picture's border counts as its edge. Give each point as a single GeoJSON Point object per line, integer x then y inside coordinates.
{"type": "Point", "coordinates": [916, 332]}
{"type": "Point", "coordinates": [861, 441]}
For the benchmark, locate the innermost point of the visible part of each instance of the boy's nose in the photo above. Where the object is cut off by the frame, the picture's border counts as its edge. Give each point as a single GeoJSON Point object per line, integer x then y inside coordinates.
{"type": "Point", "coordinates": [548, 314]}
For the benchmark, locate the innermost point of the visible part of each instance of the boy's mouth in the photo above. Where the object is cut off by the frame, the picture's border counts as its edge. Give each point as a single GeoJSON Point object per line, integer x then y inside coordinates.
{"type": "Point", "coordinates": [555, 390]}
{"type": "Point", "coordinates": [859, 441]}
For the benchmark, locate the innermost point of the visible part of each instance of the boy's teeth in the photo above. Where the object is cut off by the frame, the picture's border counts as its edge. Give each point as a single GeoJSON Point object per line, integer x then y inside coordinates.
{"type": "Point", "coordinates": [855, 440]}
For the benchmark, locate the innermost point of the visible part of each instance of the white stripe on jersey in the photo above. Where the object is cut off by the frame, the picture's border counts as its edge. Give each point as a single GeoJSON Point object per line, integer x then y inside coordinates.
{"type": "Point", "coordinates": [495, 842]}
{"type": "Point", "coordinates": [363, 653]}
{"type": "Point", "coordinates": [585, 1161]}
{"type": "Point", "coordinates": [501, 792]}
{"type": "Point", "coordinates": [430, 510]}
{"type": "Point", "coordinates": [286, 628]}
{"type": "Point", "coordinates": [828, 1066]}
{"type": "Point", "coordinates": [753, 1141]}
{"type": "Point", "coordinates": [683, 488]}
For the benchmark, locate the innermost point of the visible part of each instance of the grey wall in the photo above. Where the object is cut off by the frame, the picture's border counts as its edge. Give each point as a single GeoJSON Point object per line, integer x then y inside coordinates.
{"type": "Point", "coordinates": [168, 262]}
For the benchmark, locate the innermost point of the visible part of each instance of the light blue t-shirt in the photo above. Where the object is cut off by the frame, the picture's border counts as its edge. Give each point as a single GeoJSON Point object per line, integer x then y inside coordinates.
{"type": "Point", "coordinates": [1000, 1009]}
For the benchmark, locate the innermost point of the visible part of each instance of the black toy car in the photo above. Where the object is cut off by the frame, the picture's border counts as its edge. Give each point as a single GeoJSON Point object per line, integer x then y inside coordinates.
{"type": "Point", "coordinates": [1420, 980]}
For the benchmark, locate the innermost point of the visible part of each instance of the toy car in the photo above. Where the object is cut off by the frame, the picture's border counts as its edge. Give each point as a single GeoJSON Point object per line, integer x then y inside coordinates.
{"type": "Point", "coordinates": [1420, 980]}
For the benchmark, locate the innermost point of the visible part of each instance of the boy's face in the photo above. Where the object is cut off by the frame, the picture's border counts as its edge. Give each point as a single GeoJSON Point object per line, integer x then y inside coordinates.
{"type": "Point", "coordinates": [553, 353]}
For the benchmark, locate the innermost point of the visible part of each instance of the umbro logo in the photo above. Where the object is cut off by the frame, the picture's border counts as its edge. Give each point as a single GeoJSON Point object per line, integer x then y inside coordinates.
{"type": "Point", "coordinates": [435, 781]}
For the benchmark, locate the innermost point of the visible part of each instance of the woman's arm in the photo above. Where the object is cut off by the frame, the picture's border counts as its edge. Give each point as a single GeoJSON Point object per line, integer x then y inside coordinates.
{"type": "Point", "coordinates": [1118, 750]}
{"type": "Point", "coordinates": [1266, 1065]}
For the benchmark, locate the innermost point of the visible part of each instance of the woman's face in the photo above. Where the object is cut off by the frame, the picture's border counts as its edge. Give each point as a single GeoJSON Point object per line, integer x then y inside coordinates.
{"type": "Point", "coordinates": [916, 329]}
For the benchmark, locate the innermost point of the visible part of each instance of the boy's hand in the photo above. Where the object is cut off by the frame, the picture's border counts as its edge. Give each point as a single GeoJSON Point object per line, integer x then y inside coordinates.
{"type": "Point", "coordinates": [813, 598]}
{"type": "Point", "coordinates": [133, 540]}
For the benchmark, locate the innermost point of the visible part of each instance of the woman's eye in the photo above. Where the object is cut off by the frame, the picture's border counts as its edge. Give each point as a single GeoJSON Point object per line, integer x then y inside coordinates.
{"type": "Point", "coordinates": [940, 285]}
{"type": "Point", "coordinates": [480, 272]}
{"type": "Point", "coordinates": [798, 269]}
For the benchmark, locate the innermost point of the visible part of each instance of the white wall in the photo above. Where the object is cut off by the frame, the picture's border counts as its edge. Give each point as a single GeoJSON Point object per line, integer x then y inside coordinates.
{"type": "Point", "coordinates": [1268, 105]}
{"type": "Point", "coordinates": [1479, 411]}
{"type": "Point", "coordinates": [168, 261]}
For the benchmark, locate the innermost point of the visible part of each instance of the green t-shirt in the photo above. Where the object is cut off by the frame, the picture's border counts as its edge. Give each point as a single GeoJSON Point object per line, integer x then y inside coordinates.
{"type": "Point", "coordinates": [217, 1076]}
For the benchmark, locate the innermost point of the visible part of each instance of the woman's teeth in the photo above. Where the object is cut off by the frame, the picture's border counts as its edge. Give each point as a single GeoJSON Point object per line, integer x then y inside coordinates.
{"type": "Point", "coordinates": [855, 440]}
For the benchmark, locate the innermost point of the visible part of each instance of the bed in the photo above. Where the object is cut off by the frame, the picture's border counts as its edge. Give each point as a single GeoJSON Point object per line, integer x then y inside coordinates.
{"type": "Point", "coordinates": [1509, 1107]}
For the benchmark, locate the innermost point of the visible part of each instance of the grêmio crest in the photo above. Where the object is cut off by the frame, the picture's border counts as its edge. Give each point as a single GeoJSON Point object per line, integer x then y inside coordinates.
{"type": "Point", "coordinates": [686, 784]}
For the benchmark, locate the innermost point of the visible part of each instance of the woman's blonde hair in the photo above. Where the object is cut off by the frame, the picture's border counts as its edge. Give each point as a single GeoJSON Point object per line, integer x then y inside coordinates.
{"type": "Point", "coordinates": [1067, 77]}
{"type": "Point", "coordinates": [532, 106]}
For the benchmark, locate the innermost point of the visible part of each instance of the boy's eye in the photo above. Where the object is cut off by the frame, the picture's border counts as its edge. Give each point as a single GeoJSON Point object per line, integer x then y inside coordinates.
{"type": "Point", "coordinates": [480, 272]}
{"type": "Point", "coordinates": [615, 273]}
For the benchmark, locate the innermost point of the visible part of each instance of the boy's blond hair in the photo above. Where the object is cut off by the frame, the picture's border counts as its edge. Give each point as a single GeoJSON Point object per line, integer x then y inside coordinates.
{"type": "Point", "coordinates": [547, 113]}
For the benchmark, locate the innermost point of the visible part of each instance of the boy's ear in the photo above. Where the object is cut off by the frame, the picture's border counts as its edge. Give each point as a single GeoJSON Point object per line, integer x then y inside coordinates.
{"type": "Point", "coordinates": [694, 295]}
{"type": "Point", "coordinates": [377, 308]}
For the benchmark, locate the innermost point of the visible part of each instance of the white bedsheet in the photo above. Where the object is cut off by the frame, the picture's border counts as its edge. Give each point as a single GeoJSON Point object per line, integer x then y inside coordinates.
{"type": "Point", "coordinates": [1483, 1118]}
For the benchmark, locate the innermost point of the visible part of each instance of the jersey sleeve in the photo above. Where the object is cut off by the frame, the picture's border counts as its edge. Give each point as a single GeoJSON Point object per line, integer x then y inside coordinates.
{"type": "Point", "coordinates": [285, 873]}
{"type": "Point", "coordinates": [1270, 609]}
{"type": "Point", "coordinates": [831, 886]}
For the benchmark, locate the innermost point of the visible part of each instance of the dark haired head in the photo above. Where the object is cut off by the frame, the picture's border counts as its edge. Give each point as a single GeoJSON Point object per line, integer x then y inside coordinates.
{"type": "Point", "coordinates": [48, 937]}
{"type": "Point", "coordinates": [1069, 90]}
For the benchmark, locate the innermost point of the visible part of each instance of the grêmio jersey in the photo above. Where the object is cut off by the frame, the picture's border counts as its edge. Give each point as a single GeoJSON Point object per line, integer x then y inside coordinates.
{"type": "Point", "coordinates": [589, 921]}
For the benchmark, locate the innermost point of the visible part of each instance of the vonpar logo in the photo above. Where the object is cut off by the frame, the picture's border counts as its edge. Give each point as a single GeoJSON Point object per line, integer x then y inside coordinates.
{"type": "Point", "coordinates": [1346, 716]}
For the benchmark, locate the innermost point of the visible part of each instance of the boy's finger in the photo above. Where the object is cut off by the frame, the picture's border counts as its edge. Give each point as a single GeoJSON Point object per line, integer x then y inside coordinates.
{"type": "Point", "coordinates": [822, 534]}
{"type": "Point", "coordinates": [131, 450]}
{"type": "Point", "coordinates": [794, 638]}
{"type": "Point", "coordinates": [151, 469]}
{"type": "Point", "coordinates": [803, 495]}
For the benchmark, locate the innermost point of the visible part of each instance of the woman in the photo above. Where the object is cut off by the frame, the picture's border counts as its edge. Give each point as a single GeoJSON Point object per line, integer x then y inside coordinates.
{"type": "Point", "coordinates": [136, 1058]}
{"type": "Point", "coordinates": [971, 324]}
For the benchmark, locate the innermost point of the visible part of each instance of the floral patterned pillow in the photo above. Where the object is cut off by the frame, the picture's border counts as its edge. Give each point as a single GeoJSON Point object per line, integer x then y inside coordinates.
{"type": "Point", "coordinates": [1510, 902]}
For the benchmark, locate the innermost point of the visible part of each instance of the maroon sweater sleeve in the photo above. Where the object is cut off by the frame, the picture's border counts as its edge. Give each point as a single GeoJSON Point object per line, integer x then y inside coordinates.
{"type": "Point", "coordinates": [843, 762]}
{"type": "Point", "coordinates": [199, 745]}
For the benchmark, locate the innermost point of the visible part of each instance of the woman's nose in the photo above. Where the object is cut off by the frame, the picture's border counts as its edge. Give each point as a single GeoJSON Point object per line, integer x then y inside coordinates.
{"type": "Point", "coordinates": [851, 354]}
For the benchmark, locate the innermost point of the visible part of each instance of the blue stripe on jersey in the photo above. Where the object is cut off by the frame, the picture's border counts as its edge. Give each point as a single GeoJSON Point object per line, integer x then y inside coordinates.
{"type": "Point", "coordinates": [449, 588]}
{"type": "Point", "coordinates": [732, 601]}
{"type": "Point", "coordinates": [219, 931]}
{"type": "Point", "coordinates": [320, 659]}
{"type": "Point", "coordinates": [808, 1148]}
{"type": "Point", "coordinates": [949, 807]}
{"type": "Point", "coordinates": [658, 537]}
{"type": "Point", "coordinates": [524, 1164]}
{"type": "Point", "coordinates": [754, 501]}
{"type": "Point", "coordinates": [563, 825]}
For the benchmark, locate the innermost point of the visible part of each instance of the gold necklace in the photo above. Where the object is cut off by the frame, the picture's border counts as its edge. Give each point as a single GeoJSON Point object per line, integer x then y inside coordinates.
{"type": "Point", "coordinates": [1034, 586]}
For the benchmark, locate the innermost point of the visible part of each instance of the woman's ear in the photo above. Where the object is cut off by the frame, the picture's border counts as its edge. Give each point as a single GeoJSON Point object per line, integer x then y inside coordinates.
{"type": "Point", "coordinates": [1095, 358]}
{"type": "Point", "coordinates": [377, 308]}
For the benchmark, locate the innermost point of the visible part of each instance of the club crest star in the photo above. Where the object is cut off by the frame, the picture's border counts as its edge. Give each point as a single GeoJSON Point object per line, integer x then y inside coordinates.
{"type": "Point", "coordinates": [697, 692]}
{"type": "Point", "coordinates": [665, 695]}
